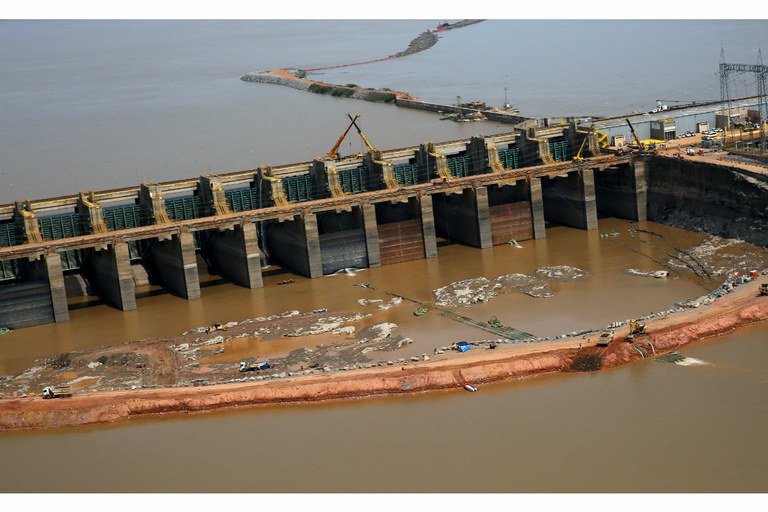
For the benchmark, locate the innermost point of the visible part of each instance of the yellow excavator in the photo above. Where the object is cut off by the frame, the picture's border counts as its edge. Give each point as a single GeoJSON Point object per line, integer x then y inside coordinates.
{"type": "Point", "coordinates": [635, 329]}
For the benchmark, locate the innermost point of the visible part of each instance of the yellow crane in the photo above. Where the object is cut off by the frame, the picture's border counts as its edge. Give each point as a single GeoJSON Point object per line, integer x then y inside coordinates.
{"type": "Point", "coordinates": [334, 152]}
{"type": "Point", "coordinates": [641, 146]}
{"type": "Point", "coordinates": [362, 135]}
{"type": "Point", "coordinates": [578, 156]}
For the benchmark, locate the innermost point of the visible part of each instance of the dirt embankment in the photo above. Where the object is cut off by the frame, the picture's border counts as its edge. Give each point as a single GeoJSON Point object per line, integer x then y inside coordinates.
{"type": "Point", "coordinates": [742, 307]}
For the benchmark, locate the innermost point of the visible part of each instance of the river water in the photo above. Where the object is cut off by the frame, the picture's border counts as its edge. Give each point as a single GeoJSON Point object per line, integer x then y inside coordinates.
{"type": "Point", "coordinates": [115, 103]}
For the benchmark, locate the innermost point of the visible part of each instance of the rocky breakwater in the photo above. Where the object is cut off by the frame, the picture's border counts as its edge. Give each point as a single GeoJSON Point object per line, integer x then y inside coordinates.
{"type": "Point", "coordinates": [285, 78]}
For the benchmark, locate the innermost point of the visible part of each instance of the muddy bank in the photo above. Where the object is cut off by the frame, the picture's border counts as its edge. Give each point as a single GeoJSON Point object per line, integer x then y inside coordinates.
{"type": "Point", "coordinates": [446, 372]}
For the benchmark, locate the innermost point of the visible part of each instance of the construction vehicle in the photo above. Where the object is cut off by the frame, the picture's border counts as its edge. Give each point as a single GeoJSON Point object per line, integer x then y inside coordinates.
{"type": "Point", "coordinates": [638, 142]}
{"type": "Point", "coordinates": [56, 392]}
{"type": "Point", "coordinates": [254, 366]}
{"type": "Point", "coordinates": [334, 152]}
{"type": "Point", "coordinates": [215, 327]}
{"type": "Point", "coordinates": [605, 338]}
{"type": "Point", "coordinates": [635, 329]}
{"type": "Point", "coordinates": [763, 289]}
{"type": "Point", "coordinates": [578, 156]}
{"type": "Point", "coordinates": [362, 135]}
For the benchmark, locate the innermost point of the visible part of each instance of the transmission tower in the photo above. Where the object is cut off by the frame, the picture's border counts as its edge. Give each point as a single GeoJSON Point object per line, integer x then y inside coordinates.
{"type": "Point", "coordinates": [761, 73]}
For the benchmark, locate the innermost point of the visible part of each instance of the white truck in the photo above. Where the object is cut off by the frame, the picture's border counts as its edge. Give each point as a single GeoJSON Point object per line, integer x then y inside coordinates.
{"type": "Point", "coordinates": [57, 392]}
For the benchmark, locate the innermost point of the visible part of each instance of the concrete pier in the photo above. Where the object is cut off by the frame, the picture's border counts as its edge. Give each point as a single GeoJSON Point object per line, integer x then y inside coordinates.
{"type": "Point", "coordinates": [428, 226]}
{"type": "Point", "coordinates": [153, 204]}
{"type": "Point", "coordinates": [38, 298]}
{"type": "Point", "coordinates": [464, 217]}
{"type": "Point", "coordinates": [537, 209]}
{"type": "Point", "coordinates": [109, 272]}
{"type": "Point", "coordinates": [173, 263]}
{"type": "Point", "coordinates": [296, 244]}
{"type": "Point", "coordinates": [623, 192]}
{"type": "Point", "coordinates": [570, 199]}
{"type": "Point", "coordinates": [371, 235]}
{"type": "Point", "coordinates": [234, 253]}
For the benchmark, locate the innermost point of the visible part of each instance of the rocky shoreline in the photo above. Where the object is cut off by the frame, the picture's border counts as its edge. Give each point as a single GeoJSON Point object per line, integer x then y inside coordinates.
{"type": "Point", "coordinates": [723, 312]}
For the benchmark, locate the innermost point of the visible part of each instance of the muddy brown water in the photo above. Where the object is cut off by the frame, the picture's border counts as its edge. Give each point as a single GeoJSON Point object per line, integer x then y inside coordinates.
{"type": "Point", "coordinates": [647, 427]}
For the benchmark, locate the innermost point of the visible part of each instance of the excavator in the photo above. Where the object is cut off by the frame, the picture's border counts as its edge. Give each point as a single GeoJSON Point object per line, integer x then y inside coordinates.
{"type": "Point", "coordinates": [635, 329]}
{"type": "Point", "coordinates": [334, 152]}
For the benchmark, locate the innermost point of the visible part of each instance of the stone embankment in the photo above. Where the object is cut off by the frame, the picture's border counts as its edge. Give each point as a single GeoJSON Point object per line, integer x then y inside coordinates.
{"type": "Point", "coordinates": [268, 77]}
{"type": "Point", "coordinates": [735, 307]}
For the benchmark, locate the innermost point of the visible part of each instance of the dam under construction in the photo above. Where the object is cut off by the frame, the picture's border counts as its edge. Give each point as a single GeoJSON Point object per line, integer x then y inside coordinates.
{"type": "Point", "coordinates": [383, 207]}
{"type": "Point", "coordinates": [135, 155]}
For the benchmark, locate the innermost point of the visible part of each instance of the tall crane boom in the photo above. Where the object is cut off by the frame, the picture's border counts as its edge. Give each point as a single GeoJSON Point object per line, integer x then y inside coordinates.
{"type": "Point", "coordinates": [367, 144]}
{"type": "Point", "coordinates": [634, 134]}
{"type": "Point", "coordinates": [334, 152]}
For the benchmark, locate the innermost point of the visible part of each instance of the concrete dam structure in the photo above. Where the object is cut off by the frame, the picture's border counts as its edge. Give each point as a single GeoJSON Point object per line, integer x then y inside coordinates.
{"type": "Point", "coordinates": [316, 218]}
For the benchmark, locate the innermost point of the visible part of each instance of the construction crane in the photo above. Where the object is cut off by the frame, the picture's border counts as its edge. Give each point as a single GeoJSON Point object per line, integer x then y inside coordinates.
{"type": "Point", "coordinates": [578, 156]}
{"type": "Point", "coordinates": [362, 135]}
{"type": "Point", "coordinates": [334, 152]}
{"type": "Point", "coordinates": [634, 134]}
{"type": "Point", "coordinates": [641, 146]}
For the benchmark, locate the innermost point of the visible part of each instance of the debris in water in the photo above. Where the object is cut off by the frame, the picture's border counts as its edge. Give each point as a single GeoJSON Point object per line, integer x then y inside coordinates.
{"type": "Point", "coordinates": [658, 274]}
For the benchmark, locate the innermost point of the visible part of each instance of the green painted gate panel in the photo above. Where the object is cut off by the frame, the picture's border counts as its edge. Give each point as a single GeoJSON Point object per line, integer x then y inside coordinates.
{"type": "Point", "coordinates": [184, 208]}
{"type": "Point", "coordinates": [510, 158]}
{"type": "Point", "coordinates": [57, 227]}
{"type": "Point", "coordinates": [299, 188]}
{"type": "Point", "coordinates": [409, 174]}
{"type": "Point", "coordinates": [123, 217]}
{"type": "Point", "coordinates": [8, 236]}
{"type": "Point", "coordinates": [560, 151]}
{"type": "Point", "coordinates": [354, 181]}
{"type": "Point", "coordinates": [246, 199]}
{"type": "Point", "coordinates": [9, 269]}
{"type": "Point", "coordinates": [459, 166]}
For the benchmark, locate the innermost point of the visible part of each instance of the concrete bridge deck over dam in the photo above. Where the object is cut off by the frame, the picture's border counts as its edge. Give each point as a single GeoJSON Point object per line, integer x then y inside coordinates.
{"type": "Point", "coordinates": [313, 218]}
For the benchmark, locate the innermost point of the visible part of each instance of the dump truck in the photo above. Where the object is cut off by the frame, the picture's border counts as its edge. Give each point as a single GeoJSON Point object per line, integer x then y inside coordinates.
{"type": "Point", "coordinates": [57, 392]}
{"type": "Point", "coordinates": [763, 289]}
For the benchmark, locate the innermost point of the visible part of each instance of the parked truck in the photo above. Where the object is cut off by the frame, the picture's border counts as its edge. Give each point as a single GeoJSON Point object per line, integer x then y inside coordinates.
{"type": "Point", "coordinates": [57, 392]}
{"type": "Point", "coordinates": [254, 366]}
